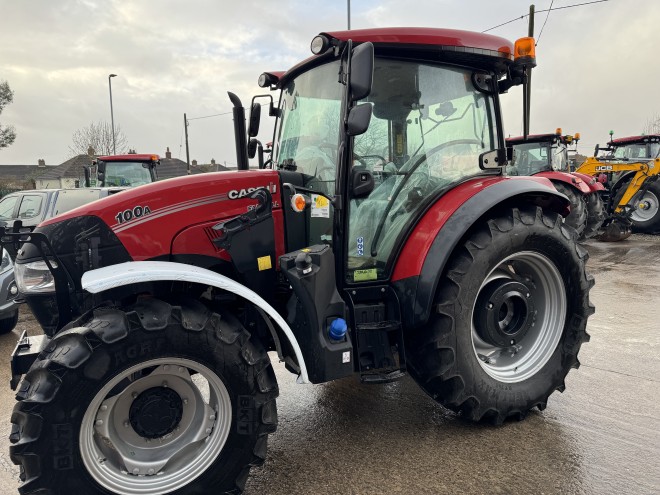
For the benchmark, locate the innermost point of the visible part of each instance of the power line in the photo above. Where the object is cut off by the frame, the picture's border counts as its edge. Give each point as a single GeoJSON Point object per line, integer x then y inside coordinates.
{"type": "Point", "coordinates": [544, 23]}
{"type": "Point", "coordinates": [545, 10]}
{"type": "Point", "coordinates": [209, 116]}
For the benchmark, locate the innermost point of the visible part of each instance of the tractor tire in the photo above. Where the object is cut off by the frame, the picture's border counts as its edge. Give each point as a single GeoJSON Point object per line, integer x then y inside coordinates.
{"type": "Point", "coordinates": [596, 215]}
{"type": "Point", "coordinates": [509, 319]}
{"type": "Point", "coordinates": [577, 218]}
{"type": "Point", "coordinates": [647, 220]}
{"type": "Point", "coordinates": [8, 324]}
{"type": "Point", "coordinates": [152, 400]}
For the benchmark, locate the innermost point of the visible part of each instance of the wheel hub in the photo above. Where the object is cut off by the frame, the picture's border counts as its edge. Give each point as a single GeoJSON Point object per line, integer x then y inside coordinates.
{"type": "Point", "coordinates": [156, 412]}
{"type": "Point", "coordinates": [504, 312]}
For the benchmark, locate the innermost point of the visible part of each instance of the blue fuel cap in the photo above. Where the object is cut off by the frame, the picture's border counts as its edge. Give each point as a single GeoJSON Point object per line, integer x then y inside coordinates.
{"type": "Point", "coordinates": [337, 329]}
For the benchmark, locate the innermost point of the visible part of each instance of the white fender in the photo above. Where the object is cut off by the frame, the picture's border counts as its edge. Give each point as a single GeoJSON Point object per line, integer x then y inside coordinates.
{"type": "Point", "coordinates": [134, 272]}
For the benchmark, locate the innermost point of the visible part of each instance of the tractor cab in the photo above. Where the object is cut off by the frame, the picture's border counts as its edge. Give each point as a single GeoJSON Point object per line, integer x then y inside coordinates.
{"type": "Point", "coordinates": [122, 170]}
{"type": "Point", "coordinates": [634, 148]}
{"type": "Point", "coordinates": [541, 153]}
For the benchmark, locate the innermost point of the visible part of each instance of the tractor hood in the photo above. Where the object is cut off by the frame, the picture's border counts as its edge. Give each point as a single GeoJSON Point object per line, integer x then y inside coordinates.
{"type": "Point", "coordinates": [146, 219]}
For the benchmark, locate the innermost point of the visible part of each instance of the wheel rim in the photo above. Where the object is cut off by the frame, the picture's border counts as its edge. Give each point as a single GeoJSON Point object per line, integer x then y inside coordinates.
{"type": "Point", "coordinates": [174, 446]}
{"type": "Point", "coordinates": [518, 317]}
{"type": "Point", "coordinates": [646, 208]}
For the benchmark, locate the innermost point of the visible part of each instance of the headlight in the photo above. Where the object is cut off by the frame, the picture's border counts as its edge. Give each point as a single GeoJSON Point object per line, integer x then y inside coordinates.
{"type": "Point", "coordinates": [6, 263]}
{"type": "Point", "coordinates": [35, 277]}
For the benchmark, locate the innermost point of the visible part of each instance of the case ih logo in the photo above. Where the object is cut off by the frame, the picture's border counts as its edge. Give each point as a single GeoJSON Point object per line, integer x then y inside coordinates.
{"type": "Point", "coordinates": [241, 193]}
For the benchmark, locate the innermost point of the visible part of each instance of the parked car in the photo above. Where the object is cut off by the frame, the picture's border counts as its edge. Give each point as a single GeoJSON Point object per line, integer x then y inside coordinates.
{"type": "Point", "coordinates": [8, 292]}
{"type": "Point", "coordinates": [34, 206]}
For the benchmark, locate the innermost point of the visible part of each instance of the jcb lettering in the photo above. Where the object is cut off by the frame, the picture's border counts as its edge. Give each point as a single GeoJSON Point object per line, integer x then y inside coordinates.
{"type": "Point", "coordinates": [604, 168]}
{"type": "Point", "coordinates": [130, 214]}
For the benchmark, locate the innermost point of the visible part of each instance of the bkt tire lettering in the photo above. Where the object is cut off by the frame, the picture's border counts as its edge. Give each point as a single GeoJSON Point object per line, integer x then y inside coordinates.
{"type": "Point", "coordinates": [130, 214]}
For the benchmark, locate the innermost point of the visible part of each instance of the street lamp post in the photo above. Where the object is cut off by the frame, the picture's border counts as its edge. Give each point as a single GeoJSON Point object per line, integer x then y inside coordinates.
{"type": "Point", "coordinates": [112, 116]}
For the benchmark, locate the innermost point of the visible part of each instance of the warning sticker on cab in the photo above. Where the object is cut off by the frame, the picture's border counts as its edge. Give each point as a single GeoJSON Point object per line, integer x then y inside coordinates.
{"type": "Point", "coordinates": [264, 263]}
{"type": "Point", "coordinates": [320, 206]}
{"type": "Point", "coordinates": [364, 275]}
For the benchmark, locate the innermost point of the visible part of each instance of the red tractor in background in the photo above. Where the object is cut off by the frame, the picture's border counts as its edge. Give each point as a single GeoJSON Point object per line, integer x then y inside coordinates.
{"type": "Point", "coordinates": [128, 170]}
{"type": "Point", "coordinates": [384, 239]}
{"type": "Point", "coordinates": [547, 155]}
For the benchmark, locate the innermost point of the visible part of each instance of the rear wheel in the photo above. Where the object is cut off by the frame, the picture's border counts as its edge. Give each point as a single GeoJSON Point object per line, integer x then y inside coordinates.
{"type": "Point", "coordinates": [577, 218]}
{"type": "Point", "coordinates": [509, 320]}
{"type": "Point", "coordinates": [158, 399]}
{"type": "Point", "coordinates": [596, 215]}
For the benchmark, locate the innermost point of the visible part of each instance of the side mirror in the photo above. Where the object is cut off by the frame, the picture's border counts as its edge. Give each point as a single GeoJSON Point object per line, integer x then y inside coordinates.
{"type": "Point", "coordinates": [255, 119]}
{"type": "Point", "coordinates": [358, 119]}
{"type": "Point", "coordinates": [362, 182]}
{"type": "Point", "coordinates": [100, 179]}
{"type": "Point", "coordinates": [362, 71]}
{"type": "Point", "coordinates": [100, 167]}
{"type": "Point", "coordinates": [252, 147]}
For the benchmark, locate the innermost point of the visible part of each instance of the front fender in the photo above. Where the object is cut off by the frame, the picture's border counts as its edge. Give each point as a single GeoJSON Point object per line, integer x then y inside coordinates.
{"type": "Point", "coordinates": [135, 272]}
{"type": "Point", "coordinates": [422, 260]}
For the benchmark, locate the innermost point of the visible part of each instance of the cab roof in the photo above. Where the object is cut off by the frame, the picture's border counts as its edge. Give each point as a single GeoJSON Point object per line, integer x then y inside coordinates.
{"type": "Point", "coordinates": [132, 157]}
{"type": "Point", "coordinates": [648, 138]}
{"type": "Point", "coordinates": [452, 45]}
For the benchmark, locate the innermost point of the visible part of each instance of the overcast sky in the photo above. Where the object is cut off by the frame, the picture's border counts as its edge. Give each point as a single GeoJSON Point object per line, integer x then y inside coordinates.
{"type": "Point", "coordinates": [597, 64]}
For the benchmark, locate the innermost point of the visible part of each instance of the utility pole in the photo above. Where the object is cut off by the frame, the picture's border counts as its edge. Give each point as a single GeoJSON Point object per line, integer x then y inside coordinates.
{"type": "Point", "coordinates": [185, 126]}
{"type": "Point", "coordinates": [529, 71]}
{"type": "Point", "coordinates": [112, 115]}
{"type": "Point", "coordinates": [349, 14]}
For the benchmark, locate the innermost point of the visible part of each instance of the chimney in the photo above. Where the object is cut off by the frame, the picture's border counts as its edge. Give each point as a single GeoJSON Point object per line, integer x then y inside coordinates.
{"type": "Point", "coordinates": [41, 162]}
{"type": "Point", "coordinates": [168, 153]}
{"type": "Point", "coordinates": [194, 163]}
{"type": "Point", "coordinates": [91, 151]}
{"type": "Point", "coordinates": [212, 161]}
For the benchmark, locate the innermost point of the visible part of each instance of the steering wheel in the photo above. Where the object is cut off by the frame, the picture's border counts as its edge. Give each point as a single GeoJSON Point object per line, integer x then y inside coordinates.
{"type": "Point", "coordinates": [316, 164]}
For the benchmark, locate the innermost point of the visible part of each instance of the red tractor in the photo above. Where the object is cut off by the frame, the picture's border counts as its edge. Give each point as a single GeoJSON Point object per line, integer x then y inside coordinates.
{"type": "Point", "coordinates": [546, 155]}
{"type": "Point", "coordinates": [384, 239]}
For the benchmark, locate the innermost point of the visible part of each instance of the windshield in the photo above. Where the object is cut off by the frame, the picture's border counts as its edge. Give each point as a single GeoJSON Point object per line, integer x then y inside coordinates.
{"type": "Point", "coordinates": [308, 131]}
{"type": "Point", "coordinates": [535, 157]}
{"type": "Point", "coordinates": [126, 174]}
{"type": "Point", "coordinates": [429, 126]}
{"type": "Point", "coordinates": [639, 151]}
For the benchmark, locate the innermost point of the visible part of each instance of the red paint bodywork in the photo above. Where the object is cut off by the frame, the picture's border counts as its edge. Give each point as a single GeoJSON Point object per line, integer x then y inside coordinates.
{"type": "Point", "coordinates": [592, 182]}
{"type": "Point", "coordinates": [428, 36]}
{"type": "Point", "coordinates": [414, 252]}
{"type": "Point", "coordinates": [566, 178]}
{"type": "Point", "coordinates": [183, 211]}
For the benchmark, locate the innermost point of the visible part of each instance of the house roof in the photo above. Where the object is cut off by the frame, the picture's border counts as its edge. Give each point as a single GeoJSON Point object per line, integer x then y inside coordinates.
{"type": "Point", "coordinates": [173, 167]}
{"type": "Point", "coordinates": [73, 167]}
{"type": "Point", "coordinates": [20, 172]}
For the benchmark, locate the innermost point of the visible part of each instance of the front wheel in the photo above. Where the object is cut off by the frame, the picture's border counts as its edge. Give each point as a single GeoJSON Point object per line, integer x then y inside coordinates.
{"type": "Point", "coordinates": [158, 399]}
{"type": "Point", "coordinates": [596, 215]}
{"type": "Point", "coordinates": [646, 215]}
{"type": "Point", "coordinates": [509, 320]}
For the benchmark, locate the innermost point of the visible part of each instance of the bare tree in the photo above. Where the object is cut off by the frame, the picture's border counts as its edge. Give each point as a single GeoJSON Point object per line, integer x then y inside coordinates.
{"type": "Point", "coordinates": [652, 125]}
{"type": "Point", "coordinates": [7, 133]}
{"type": "Point", "coordinates": [98, 137]}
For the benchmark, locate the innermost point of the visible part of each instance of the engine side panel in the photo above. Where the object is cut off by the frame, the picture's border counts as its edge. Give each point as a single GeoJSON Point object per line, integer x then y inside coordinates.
{"type": "Point", "coordinates": [568, 179]}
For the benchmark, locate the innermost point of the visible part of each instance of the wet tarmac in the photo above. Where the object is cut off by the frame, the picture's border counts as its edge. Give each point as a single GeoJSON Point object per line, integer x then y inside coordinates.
{"type": "Point", "coordinates": [601, 436]}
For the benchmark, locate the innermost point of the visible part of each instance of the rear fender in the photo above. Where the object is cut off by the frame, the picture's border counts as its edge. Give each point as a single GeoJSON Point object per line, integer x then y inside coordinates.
{"type": "Point", "coordinates": [568, 179]}
{"type": "Point", "coordinates": [136, 272]}
{"type": "Point", "coordinates": [422, 260]}
{"type": "Point", "coordinates": [592, 182]}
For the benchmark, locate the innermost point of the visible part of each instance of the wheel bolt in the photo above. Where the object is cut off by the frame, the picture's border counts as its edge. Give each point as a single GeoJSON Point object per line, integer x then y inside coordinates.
{"type": "Point", "coordinates": [527, 294]}
{"type": "Point", "coordinates": [208, 431]}
{"type": "Point", "coordinates": [136, 471]}
{"type": "Point", "coordinates": [99, 422]}
{"type": "Point", "coordinates": [212, 417]}
{"type": "Point", "coordinates": [134, 395]}
{"type": "Point", "coordinates": [104, 408]}
{"type": "Point", "coordinates": [151, 471]}
{"type": "Point", "coordinates": [180, 369]}
{"type": "Point", "coordinates": [164, 384]}
{"type": "Point", "coordinates": [185, 402]}
{"type": "Point", "coordinates": [126, 424]}
{"type": "Point", "coordinates": [490, 305]}
{"type": "Point", "coordinates": [513, 341]}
